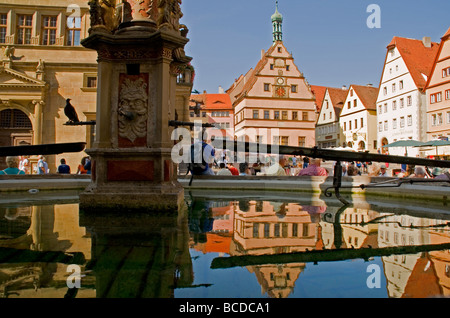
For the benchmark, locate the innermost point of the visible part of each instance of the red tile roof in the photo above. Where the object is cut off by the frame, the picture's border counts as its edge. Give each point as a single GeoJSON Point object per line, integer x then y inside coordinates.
{"type": "Point", "coordinates": [338, 96]}
{"type": "Point", "coordinates": [319, 93]}
{"type": "Point", "coordinates": [211, 101]}
{"type": "Point", "coordinates": [444, 39]}
{"type": "Point", "coordinates": [218, 101]}
{"type": "Point", "coordinates": [367, 94]}
{"type": "Point", "coordinates": [446, 34]}
{"type": "Point", "coordinates": [199, 98]}
{"type": "Point", "coordinates": [423, 281]}
{"type": "Point", "coordinates": [418, 58]}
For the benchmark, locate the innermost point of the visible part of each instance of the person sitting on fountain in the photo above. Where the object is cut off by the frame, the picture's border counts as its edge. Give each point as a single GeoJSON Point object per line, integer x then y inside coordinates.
{"type": "Point", "coordinates": [13, 164]}
{"type": "Point", "coordinates": [278, 168]}
{"type": "Point", "coordinates": [202, 154]}
{"type": "Point", "coordinates": [313, 169]}
{"type": "Point", "coordinates": [234, 171]}
{"type": "Point", "coordinates": [223, 171]}
{"type": "Point", "coordinates": [383, 171]}
{"type": "Point", "coordinates": [244, 169]}
{"type": "Point", "coordinates": [440, 174]}
{"type": "Point", "coordinates": [419, 172]}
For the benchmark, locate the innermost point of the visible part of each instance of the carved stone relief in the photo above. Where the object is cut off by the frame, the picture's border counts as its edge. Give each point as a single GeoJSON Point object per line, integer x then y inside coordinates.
{"type": "Point", "coordinates": [133, 107]}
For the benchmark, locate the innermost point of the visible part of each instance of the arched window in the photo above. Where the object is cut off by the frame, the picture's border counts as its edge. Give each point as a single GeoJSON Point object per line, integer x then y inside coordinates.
{"type": "Point", "coordinates": [14, 118]}
{"type": "Point", "coordinates": [384, 142]}
{"type": "Point", "coordinates": [361, 145]}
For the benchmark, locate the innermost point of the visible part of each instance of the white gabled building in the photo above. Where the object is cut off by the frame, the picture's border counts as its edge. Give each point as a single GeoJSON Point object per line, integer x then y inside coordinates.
{"type": "Point", "coordinates": [358, 118]}
{"type": "Point", "coordinates": [401, 102]}
{"type": "Point", "coordinates": [328, 132]}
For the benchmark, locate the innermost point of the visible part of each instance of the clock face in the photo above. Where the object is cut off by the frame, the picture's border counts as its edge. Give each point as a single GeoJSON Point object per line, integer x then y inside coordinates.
{"type": "Point", "coordinates": [280, 81]}
{"type": "Point", "coordinates": [280, 91]}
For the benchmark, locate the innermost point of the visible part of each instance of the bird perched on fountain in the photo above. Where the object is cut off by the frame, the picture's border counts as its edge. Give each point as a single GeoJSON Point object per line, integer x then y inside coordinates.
{"type": "Point", "coordinates": [70, 112]}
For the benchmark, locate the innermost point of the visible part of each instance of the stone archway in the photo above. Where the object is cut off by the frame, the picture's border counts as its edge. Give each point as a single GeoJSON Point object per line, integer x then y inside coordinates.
{"type": "Point", "coordinates": [16, 129]}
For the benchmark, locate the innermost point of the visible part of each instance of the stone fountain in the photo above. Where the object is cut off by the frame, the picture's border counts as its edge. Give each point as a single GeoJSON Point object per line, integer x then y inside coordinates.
{"type": "Point", "coordinates": [140, 47]}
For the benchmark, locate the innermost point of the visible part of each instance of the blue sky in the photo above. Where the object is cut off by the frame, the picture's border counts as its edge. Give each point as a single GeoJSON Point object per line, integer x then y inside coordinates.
{"type": "Point", "coordinates": [329, 39]}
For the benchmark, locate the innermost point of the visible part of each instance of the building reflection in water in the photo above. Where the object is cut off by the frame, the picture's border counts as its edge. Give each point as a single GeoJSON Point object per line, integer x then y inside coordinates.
{"type": "Point", "coordinates": [128, 255]}
{"type": "Point", "coordinates": [268, 228]}
{"type": "Point", "coordinates": [123, 256]}
{"type": "Point", "coordinates": [34, 242]}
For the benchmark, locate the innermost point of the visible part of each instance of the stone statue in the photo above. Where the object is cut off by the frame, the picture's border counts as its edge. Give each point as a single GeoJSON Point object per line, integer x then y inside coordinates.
{"type": "Point", "coordinates": [123, 13]}
{"type": "Point", "coordinates": [40, 66]}
{"type": "Point", "coordinates": [108, 13]}
{"type": "Point", "coordinates": [8, 52]}
{"type": "Point", "coordinates": [169, 13]}
{"type": "Point", "coordinates": [95, 12]}
{"type": "Point", "coordinates": [103, 14]}
{"type": "Point", "coordinates": [184, 30]}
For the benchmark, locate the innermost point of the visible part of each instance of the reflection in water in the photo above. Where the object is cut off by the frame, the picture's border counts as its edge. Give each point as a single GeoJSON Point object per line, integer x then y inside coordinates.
{"type": "Point", "coordinates": [267, 248]}
{"type": "Point", "coordinates": [36, 245]}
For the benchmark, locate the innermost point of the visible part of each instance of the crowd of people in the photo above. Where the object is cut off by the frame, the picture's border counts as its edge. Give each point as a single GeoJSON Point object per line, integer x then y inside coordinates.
{"type": "Point", "coordinates": [21, 165]}
{"type": "Point", "coordinates": [304, 166]}
{"type": "Point", "coordinates": [284, 166]}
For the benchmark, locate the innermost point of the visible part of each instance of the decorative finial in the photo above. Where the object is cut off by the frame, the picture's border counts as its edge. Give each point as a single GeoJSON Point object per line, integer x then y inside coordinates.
{"type": "Point", "coordinates": [277, 21]}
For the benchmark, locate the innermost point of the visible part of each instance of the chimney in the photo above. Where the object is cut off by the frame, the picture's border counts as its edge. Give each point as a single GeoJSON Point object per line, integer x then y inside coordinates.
{"type": "Point", "coordinates": [263, 53]}
{"type": "Point", "coordinates": [369, 85]}
{"type": "Point", "coordinates": [344, 88]}
{"type": "Point", "coordinates": [221, 91]}
{"type": "Point", "coordinates": [204, 92]}
{"type": "Point", "coordinates": [426, 40]}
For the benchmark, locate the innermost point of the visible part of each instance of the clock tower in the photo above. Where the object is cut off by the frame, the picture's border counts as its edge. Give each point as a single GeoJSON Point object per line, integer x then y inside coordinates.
{"type": "Point", "coordinates": [273, 103]}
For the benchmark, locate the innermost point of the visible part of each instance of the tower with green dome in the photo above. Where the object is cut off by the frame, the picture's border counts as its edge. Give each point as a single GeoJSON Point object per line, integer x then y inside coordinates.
{"type": "Point", "coordinates": [277, 23]}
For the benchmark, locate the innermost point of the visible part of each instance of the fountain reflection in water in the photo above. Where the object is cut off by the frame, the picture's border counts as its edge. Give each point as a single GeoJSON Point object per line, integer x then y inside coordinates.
{"type": "Point", "coordinates": [259, 246]}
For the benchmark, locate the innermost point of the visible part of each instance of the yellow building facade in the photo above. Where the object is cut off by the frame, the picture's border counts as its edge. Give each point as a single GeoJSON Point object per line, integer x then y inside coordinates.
{"type": "Point", "coordinates": [42, 65]}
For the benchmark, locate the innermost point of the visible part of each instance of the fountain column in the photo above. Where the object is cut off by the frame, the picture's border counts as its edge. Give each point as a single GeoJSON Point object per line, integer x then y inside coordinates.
{"type": "Point", "coordinates": [140, 50]}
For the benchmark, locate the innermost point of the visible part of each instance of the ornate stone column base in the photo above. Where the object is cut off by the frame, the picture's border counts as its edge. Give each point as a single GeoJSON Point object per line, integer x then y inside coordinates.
{"type": "Point", "coordinates": [132, 180]}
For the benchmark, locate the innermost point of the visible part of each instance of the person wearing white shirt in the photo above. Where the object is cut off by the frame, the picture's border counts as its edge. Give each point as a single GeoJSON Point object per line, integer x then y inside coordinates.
{"type": "Point", "coordinates": [383, 171]}
{"type": "Point", "coordinates": [277, 169]}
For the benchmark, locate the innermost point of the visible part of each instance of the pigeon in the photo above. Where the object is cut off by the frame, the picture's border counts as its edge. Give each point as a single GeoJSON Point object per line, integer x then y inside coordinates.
{"type": "Point", "coordinates": [196, 108]}
{"type": "Point", "coordinates": [70, 112]}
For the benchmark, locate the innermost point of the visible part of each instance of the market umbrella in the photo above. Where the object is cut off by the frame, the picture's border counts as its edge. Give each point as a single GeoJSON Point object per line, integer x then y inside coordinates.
{"type": "Point", "coordinates": [404, 143]}
{"type": "Point", "coordinates": [435, 143]}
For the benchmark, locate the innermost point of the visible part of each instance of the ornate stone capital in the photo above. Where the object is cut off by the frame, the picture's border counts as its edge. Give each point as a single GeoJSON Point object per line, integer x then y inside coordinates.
{"type": "Point", "coordinates": [166, 53]}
